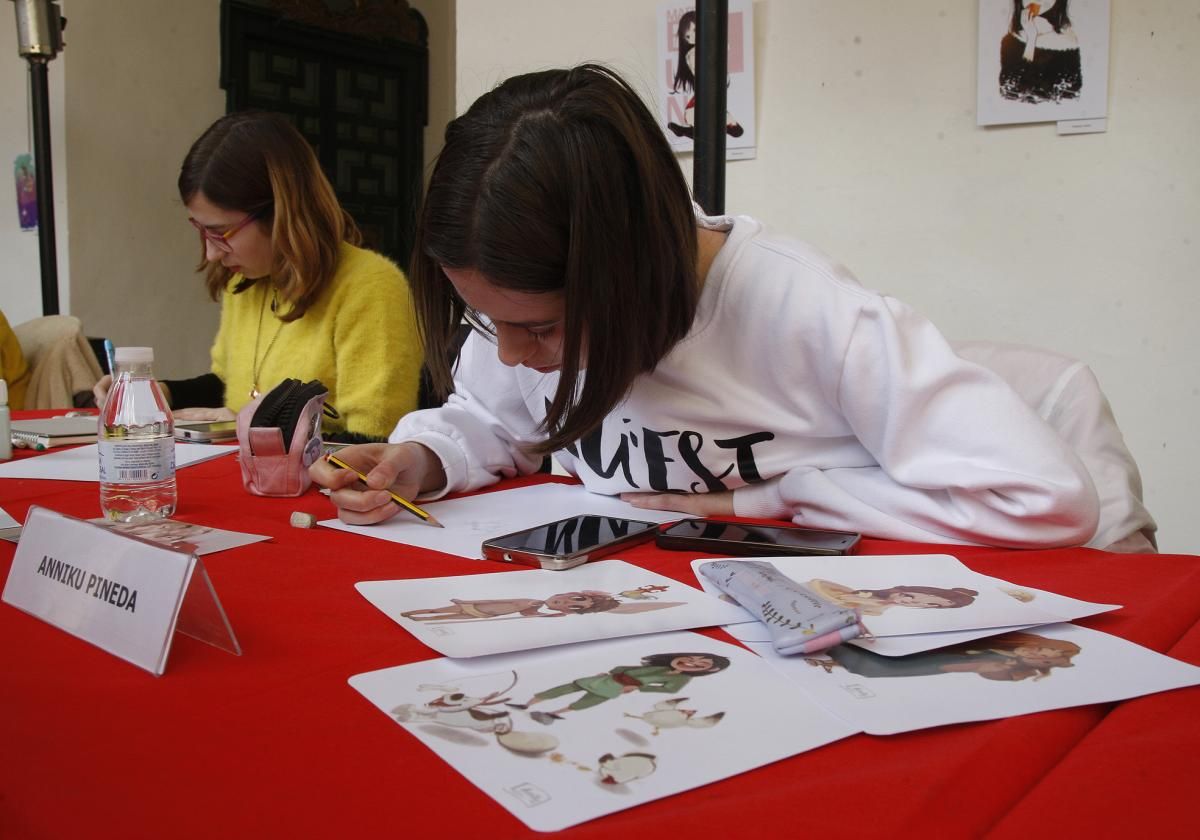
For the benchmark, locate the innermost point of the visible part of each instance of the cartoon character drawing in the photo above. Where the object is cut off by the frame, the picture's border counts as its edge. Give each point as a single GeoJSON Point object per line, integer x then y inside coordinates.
{"type": "Point", "coordinates": [685, 80]}
{"type": "Point", "coordinates": [1022, 595]}
{"type": "Point", "coordinates": [667, 714]}
{"type": "Point", "coordinates": [1039, 55]}
{"type": "Point", "coordinates": [26, 192]}
{"type": "Point", "coordinates": [620, 770]}
{"type": "Point", "coordinates": [667, 673]}
{"type": "Point", "coordinates": [459, 710]}
{"type": "Point", "coordinates": [171, 532]}
{"type": "Point", "coordinates": [1006, 657]}
{"type": "Point", "coordinates": [876, 601]}
{"type": "Point", "coordinates": [559, 605]}
{"type": "Point", "coordinates": [643, 593]}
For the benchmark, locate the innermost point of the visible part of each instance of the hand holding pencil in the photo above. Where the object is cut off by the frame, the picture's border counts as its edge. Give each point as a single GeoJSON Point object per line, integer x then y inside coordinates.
{"type": "Point", "coordinates": [393, 474]}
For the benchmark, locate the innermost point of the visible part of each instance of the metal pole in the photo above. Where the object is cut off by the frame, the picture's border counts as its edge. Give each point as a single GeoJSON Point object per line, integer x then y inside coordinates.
{"type": "Point", "coordinates": [39, 39]}
{"type": "Point", "coordinates": [39, 86]}
{"type": "Point", "coordinates": [712, 72]}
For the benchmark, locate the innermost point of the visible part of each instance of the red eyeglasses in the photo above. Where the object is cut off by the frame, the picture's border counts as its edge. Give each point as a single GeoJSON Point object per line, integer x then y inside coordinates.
{"type": "Point", "coordinates": [221, 240]}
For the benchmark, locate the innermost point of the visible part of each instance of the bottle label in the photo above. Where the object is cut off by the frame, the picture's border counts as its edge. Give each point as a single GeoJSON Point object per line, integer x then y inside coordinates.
{"type": "Point", "coordinates": [137, 461]}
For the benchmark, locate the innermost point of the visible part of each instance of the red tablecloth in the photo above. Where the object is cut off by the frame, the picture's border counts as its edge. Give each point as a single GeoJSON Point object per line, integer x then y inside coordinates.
{"type": "Point", "coordinates": [276, 744]}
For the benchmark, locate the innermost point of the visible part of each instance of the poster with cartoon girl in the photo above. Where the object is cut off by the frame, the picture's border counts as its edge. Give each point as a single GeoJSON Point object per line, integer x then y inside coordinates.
{"type": "Point", "coordinates": [478, 615]}
{"type": "Point", "coordinates": [26, 180]}
{"type": "Point", "coordinates": [1042, 60]}
{"type": "Point", "coordinates": [565, 735]}
{"type": "Point", "coordinates": [912, 603]}
{"type": "Point", "coordinates": [1011, 673]}
{"type": "Point", "coordinates": [676, 34]}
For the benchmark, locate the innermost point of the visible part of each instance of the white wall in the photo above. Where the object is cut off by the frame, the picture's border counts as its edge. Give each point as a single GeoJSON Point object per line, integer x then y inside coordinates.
{"type": "Point", "coordinates": [142, 84]}
{"type": "Point", "coordinates": [20, 263]}
{"type": "Point", "coordinates": [868, 148]}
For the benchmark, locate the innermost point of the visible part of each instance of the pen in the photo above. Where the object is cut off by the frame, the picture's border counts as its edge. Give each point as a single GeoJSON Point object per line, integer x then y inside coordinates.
{"type": "Point", "coordinates": [111, 353]}
{"type": "Point", "coordinates": [404, 503]}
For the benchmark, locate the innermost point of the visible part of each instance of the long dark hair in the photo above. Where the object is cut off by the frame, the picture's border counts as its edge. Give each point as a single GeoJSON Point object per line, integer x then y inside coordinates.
{"type": "Point", "coordinates": [685, 79]}
{"type": "Point", "coordinates": [561, 181]}
{"type": "Point", "coordinates": [1056, 17]}
{"type": "Point", "coordinates": [257, 162]}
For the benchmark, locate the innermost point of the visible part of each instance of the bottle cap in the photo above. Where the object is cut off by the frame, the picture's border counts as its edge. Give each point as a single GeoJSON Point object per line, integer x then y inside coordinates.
{"type": "Point", "coordinates": [135, 355]}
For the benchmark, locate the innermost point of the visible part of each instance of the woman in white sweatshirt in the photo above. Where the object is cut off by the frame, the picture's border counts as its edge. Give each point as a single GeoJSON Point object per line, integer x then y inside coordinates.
{"type": "Point", "coordinates": [685, 362]}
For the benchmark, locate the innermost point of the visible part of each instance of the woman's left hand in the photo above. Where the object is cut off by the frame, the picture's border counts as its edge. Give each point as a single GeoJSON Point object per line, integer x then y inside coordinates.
{"type": "Point", "coordinates": [213, 415]}
{"type": "Point", "coordinates": [698, 504]}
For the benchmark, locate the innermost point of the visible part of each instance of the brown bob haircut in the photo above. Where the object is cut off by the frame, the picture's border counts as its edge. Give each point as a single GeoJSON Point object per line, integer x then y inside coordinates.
{"type": "Point", "coordinates": [561, 181]}
{"type": "Point", "coordinates": [257, 162]}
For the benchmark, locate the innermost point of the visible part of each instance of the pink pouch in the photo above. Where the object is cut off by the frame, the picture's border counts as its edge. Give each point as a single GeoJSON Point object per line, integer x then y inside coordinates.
{"type": "Point", "coordinates": [279, 436]}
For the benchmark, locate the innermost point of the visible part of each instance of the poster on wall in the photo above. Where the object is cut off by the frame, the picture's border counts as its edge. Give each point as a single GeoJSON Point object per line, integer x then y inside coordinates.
{"type": "Point", "coordinates": [677, 77]}
{"type": "Point", "coordinates": [26, 182]}
{"type": "Point", "coordinates": [1042, 61]}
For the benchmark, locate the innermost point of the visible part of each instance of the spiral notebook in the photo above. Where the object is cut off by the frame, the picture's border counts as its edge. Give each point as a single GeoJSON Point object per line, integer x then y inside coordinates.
{"type": "Point", "coordinates": [54, 431]}
{"type": "Point", "coordinates": [50, 432]}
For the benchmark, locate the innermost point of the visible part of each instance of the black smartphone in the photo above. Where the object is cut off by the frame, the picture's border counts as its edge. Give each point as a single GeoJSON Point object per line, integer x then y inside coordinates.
{"type": "Point", "coordinates": [568, 542]}
{"type": "Point", "coordinates": [721, 537]}
{"type": "Point", "coordinates": [217, 431]}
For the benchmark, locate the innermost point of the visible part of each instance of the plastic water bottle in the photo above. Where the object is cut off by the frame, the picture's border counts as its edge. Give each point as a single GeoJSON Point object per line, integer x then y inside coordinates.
{"type": "Point", "coordinates": [137, 443]}
{"type": "Point", "coordinates": [5, 423]}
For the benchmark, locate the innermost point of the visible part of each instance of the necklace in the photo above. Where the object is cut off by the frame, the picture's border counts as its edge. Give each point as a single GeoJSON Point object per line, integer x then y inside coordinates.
{"type": "Point", "coordinates": [257, 366]}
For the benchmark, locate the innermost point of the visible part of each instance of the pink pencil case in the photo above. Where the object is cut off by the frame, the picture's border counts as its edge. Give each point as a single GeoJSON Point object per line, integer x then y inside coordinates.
{"type": "Point", "coordinates": [279, 437]}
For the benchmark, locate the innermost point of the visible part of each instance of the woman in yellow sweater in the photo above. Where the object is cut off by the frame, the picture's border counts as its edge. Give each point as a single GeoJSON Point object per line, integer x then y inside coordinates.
{"type": "Point", "coordinates": [299, 298]}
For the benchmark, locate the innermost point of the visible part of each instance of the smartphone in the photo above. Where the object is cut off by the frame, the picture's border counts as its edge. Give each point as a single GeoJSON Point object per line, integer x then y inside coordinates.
{"type": "Point", "coordinates": [721, 537]}
{"type": "Point", "coordinates": [214, 432]}
{"type": "Point", "coordinates": [568, 542]}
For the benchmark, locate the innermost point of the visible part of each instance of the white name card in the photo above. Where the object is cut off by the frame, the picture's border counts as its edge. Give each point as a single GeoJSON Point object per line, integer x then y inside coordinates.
{"type": "Point", "coordinates": [125, 595]}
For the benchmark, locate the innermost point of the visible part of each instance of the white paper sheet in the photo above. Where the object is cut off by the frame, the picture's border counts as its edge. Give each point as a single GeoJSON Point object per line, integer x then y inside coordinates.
{"type": "Point", "coordinates": [674, 733]}
{"type": "Point", "coordinates": [10, 528]}
{"type": "Point", "coordinates": [478, 615]}
{"type": "Point", "coordinates": [471, 520]}
{"type": "Point", "coordinates": [1000, 676]}
{"type": "Point", "coordinates": [900, 630]}
{"type": "Point", "coordinates": [83, 462]}
{"type": "Point", "coordinates": [186, 536]}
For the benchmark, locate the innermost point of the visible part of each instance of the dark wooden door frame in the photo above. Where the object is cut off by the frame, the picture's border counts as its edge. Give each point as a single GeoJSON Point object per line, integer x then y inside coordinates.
{"type": "Point", "coordinates": [245, 22]}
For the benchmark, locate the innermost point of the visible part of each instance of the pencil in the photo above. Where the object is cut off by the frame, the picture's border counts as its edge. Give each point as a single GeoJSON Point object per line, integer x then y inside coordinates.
{"type": "Point", "coordinates": [404, 503]}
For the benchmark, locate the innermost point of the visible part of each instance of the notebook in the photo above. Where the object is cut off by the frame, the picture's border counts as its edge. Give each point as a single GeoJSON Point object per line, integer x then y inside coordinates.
{"type": "Point", "coordinates": [54, 431]}
{"type": "Point", "coordinates": [63, 431]}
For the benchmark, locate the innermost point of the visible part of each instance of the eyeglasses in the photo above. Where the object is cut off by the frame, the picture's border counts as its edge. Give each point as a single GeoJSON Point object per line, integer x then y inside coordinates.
{"type": "Point", "coordinates": [482, 325]}
{"type": "Point", "coordinates": [221, 240]}
{"type": "Point", "coordinates": [479, 324]}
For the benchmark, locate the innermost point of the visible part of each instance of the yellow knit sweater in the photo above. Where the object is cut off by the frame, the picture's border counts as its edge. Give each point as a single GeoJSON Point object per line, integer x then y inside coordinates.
{"type": "Point", "coordinates": [359, 338]}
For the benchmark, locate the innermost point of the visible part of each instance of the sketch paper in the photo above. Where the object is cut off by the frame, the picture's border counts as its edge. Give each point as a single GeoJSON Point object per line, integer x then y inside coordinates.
{"type": "Point", "coordinates": [185, 536]}
{"type": "Point", "coordinates": [676, 34]}
{"type": "Point", "coordinates": [910, 602]}
{"type": "Point", "coordinates": [469, 521]}
{"type": "Point", "coordinates": [82, 463]}
{"type": "Point", "coordinates": [478, 615]}
{"type": "Point", "coordinates": [10, 528]}
{"type": "Point", "coordinates": [1014, 673]}
{"type": "Point", "coordinates": [1059, 72]}
{"type": "Point", "coordinates": [564, 735]}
